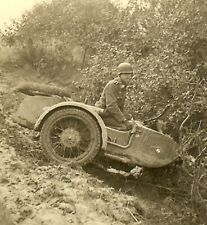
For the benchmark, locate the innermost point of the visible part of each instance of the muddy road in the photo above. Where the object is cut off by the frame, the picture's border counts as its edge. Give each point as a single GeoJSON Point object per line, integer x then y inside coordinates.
{"type": "Point", "coordinates": [36, 191]}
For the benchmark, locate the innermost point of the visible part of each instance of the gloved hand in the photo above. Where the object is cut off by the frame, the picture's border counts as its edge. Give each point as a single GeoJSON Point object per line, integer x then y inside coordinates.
{"type": "Point", "coordinates": [128, 124]}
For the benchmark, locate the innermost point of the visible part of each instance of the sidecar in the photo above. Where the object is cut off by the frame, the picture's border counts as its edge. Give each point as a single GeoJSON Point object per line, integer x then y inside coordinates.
{"type": "Point", "coordinates": [74, 133]}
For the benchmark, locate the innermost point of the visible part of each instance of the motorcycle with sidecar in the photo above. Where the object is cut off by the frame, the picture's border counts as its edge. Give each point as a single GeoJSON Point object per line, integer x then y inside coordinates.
{"type": "Point", "coordinates": [74, 133]}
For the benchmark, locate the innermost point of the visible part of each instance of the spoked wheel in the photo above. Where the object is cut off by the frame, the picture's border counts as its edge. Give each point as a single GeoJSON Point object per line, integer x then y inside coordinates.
{"type": "Point", "coordinates": [71, 135]}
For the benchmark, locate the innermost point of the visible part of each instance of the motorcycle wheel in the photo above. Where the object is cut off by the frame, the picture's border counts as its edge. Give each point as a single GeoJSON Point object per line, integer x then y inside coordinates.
{"type": "Point", "coordinates": [71, 136]}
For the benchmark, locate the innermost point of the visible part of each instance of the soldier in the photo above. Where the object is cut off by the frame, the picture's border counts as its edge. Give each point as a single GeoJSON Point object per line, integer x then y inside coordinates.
{"type": "Point", "coordinates": [113, 98]}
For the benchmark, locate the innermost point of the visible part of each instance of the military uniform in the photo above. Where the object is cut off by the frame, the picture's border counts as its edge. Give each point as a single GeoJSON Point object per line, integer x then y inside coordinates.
{"type": "Point", "coordinates": [112, 101]}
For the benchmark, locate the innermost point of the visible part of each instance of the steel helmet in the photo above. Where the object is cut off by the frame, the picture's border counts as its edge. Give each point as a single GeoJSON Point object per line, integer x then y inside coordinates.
{"type": "Point", "coordinates": [125, 68]}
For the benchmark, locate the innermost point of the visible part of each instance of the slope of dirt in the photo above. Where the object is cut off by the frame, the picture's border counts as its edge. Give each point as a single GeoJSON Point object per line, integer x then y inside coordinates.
{"type": "Point", "coordinates": [58, 195]}
{"type": "Point", "coordinates": [38, 192]}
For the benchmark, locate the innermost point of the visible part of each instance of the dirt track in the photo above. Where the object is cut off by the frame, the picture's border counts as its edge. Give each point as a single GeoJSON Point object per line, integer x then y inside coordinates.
{"type": "Point", "coordinates": [58, 195]}
{"type": "Point", "coordinates": [36, 192]}
{"type": "Point", "coordinates": [49, 194]}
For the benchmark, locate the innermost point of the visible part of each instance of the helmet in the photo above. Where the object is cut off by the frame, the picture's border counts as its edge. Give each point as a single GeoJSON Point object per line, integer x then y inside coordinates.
{"type": "Point", "coordinates": [125, 68]}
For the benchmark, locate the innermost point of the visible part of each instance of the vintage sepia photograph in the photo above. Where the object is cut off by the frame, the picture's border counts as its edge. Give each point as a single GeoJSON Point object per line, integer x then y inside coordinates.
{"type": "Point", "coordinates": [103, 112]}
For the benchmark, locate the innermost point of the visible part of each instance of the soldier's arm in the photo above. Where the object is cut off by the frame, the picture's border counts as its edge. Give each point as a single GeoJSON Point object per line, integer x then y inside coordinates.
{"type": "Point", "coordinates": [111, 103]}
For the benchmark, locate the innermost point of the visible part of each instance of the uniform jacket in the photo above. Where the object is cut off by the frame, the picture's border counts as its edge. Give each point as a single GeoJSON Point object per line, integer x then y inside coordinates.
{"type": "Point", "coordinates": [113, 98]}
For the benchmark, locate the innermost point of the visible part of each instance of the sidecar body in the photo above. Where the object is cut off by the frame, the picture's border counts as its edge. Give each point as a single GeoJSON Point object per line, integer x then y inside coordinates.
{"type": "Point", "coordinates": [73, 132]}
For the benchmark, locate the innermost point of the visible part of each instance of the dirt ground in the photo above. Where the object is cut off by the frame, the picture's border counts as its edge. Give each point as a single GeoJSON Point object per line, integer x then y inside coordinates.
{"type": "Point", "coordinates": [36, 191]}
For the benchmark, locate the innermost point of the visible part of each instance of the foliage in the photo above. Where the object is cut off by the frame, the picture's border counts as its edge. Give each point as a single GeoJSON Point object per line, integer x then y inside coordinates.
{"type": "Point", "coordinates": [58, 35]}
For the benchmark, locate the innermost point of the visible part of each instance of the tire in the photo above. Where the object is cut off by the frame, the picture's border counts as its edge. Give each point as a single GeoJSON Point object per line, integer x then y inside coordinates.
{"type": "Point", "coordinates": [70, 136]}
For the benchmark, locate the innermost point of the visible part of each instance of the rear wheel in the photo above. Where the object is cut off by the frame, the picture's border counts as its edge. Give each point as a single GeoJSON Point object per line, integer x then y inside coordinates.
{"type": "Point", "coordinates": [70, 136]}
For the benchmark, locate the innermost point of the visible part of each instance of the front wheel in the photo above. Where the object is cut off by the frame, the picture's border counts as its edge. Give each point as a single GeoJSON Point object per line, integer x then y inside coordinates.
{"type": "Point", "coordinates": [71, 136]}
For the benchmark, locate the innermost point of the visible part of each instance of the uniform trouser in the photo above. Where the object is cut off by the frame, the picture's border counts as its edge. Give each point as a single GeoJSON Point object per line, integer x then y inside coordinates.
{"type": "Point", "coordinates": [112, 122]}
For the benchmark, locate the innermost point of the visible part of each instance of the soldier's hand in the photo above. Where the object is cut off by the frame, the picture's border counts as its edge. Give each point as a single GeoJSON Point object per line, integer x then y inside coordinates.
{"type": "Point", "coordinates": [128, 124]}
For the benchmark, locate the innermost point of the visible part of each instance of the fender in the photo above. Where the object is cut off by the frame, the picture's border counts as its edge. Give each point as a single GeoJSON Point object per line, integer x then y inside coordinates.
{"type": "Point", "coordinates": [90, 109]}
